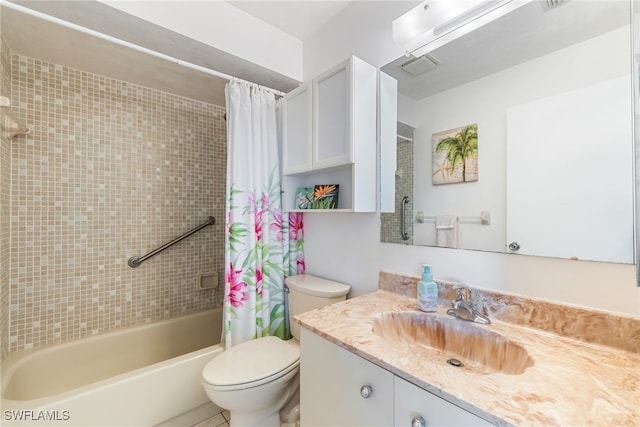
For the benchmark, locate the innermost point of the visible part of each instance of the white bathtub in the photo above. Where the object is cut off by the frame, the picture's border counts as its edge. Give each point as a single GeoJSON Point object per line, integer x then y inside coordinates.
{"type": "Point", "coordinates": [139, 376]}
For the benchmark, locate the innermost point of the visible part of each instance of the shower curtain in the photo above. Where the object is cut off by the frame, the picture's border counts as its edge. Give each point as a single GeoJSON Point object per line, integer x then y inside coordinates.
{"type": "Point", "coordinates": [263, 244]}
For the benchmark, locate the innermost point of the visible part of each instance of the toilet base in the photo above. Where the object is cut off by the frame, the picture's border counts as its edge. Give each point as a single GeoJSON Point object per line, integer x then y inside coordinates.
{"type": "Point", "coordinates": [287, 416]}
{"type": "Point", "coordinates": [290, 412]}
{"type": "Point", "coordinates": [258, 406]}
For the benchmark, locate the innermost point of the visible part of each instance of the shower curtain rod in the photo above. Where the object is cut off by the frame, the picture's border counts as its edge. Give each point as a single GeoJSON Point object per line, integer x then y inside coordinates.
{"type": "Point", "coordinates": [129, 45]}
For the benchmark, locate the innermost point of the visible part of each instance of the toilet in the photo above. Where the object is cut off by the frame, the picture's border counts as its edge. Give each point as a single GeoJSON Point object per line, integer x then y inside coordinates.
{"type": "Point", "coordinates": [254, 380]}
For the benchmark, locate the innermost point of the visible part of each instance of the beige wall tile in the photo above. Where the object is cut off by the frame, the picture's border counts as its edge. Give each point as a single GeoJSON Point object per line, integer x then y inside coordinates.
{"type": "Point", "coordinates": [111, 170]}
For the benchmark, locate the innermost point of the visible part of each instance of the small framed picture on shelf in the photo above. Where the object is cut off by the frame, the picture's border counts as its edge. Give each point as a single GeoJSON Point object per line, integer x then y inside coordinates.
{"type": "Point", "coordinates": [317, 197]}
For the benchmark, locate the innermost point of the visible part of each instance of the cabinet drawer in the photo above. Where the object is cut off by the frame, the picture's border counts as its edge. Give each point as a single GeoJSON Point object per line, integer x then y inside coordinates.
{"type": "Point", "coordinates": [411, 401]}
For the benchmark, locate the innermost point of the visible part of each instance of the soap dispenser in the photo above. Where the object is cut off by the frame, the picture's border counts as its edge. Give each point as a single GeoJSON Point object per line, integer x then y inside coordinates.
{"type": "Point", "coordinates": [427, 290]}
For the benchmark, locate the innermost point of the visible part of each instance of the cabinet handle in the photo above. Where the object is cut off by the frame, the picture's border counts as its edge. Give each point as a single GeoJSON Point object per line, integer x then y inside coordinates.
{"type": "Point", "coordinates": [418, 421]}
{"type": "Point", "coordinates": [366, 391]}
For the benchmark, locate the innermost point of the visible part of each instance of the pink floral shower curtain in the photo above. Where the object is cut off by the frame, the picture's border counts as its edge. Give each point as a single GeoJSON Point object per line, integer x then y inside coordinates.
{"type": "Point", "coordinates": [263, 244]}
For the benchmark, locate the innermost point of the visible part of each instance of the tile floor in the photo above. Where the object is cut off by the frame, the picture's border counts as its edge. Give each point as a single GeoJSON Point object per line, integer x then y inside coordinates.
{"type": "Point", "coordinates": [219, 420]}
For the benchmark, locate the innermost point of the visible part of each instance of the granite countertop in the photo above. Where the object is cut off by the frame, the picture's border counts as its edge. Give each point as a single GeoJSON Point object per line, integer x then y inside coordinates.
{"type": "Point", "coordinates": [569, 381]}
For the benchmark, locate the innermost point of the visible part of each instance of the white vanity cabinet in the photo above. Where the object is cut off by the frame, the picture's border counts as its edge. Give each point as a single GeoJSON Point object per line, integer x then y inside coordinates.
{"type": "Point", "coordinates": [415, 407]}
{"type": "Point", "coordinates": [333, 392]}
{"type": "Point", "coordinates": [333, 387]}
{"type": "Point", "coordinates": [330, 136]}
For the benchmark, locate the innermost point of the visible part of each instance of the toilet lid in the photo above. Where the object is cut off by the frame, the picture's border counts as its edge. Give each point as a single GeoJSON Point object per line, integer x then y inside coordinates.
{"type": "Point", "coordinates": [251, 362]}
{"type": "Point", "coordinates": [317, 286]}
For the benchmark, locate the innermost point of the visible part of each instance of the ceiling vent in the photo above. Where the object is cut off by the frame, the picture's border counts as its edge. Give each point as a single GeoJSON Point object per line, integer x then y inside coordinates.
{"type": "Point", "coordinates": [420, 65]}
{"type": "Point", "coordinates": [552, 4]}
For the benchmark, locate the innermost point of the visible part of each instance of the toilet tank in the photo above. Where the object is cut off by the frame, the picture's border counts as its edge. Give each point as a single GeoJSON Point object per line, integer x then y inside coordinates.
{"type": "Point", "coordinates": [308, 292]}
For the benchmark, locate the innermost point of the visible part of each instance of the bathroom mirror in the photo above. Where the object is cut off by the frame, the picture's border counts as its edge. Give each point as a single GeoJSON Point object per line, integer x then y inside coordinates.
{"type": "Point", "coordinates": [548, 91]}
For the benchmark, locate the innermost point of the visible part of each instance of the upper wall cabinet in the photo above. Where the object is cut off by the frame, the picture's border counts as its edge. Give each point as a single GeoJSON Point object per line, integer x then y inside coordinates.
{"type": "Point", "coordinates": [330, 137]}
{"type": "Point", "coordinates": [297, 132]}
{"type": "Point", "coordinates": [335, 109]}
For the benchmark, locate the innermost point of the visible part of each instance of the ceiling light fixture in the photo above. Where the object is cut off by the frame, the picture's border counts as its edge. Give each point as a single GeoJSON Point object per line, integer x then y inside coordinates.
{"type": "Point", "coordinates": [466, 16]}
{"type": "Point", "coordinates": [433, 19]}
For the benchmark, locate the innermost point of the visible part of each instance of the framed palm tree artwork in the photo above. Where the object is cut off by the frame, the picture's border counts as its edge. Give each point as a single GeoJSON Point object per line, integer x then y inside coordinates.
{"type": "Point", "coordinates": [455, 155]}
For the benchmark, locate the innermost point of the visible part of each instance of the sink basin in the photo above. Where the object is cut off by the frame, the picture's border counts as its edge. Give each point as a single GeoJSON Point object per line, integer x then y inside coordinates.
{"type": "Point", "coordinates": [475, 346]}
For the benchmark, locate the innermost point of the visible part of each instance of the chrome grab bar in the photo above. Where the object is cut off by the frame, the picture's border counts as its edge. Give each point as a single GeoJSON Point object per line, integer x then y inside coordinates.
{"type": "Point", "coordinates": [135, 261]}
{"type": "Point", "coordinates": [403, 232]}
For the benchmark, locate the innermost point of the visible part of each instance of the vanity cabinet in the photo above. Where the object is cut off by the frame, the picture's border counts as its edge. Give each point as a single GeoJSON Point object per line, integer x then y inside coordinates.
{"type": "Point", "coordinates": [333, 387]}
{"type": "Point", "coordinates": [330, 136]}
{"type": "Point", "coordinates": [415, 407]}
{"type": "Point", "coordinates": [338, 387]}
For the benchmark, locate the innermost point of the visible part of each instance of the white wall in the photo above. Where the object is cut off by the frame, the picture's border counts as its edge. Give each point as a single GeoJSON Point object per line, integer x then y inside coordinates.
{"type": "Point", "coordinates": [346, 247]}
{"type": "Point", "coordinates": [363, 29]}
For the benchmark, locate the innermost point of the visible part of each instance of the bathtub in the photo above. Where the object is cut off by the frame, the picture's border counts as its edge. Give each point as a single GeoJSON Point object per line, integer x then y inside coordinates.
{"type": "Point", "coordinates": [139, 376]}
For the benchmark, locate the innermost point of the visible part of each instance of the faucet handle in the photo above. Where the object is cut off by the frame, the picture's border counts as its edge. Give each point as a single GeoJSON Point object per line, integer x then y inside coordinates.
{"type": "Point", "coordinates": [463, 293]}
{"type": "Point", "coordinates": [462, 307]}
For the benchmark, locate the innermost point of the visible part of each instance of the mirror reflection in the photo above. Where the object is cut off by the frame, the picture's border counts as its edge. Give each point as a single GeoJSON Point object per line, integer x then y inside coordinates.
{"type": "Point", "coordinates": [547, 95]}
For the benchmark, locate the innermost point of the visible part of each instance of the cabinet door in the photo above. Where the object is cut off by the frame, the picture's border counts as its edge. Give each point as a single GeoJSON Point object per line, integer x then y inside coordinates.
{"type": "Point", "coordinates": [331, 118]}
{"type": "Point", "coordinates": [412, 402]}
{"type": "Point", "coordinates": [388, 115]}
{"type": "Point", "coordinates": [331, 379]}
{"type": "Point", "coordinates": [296, 130]}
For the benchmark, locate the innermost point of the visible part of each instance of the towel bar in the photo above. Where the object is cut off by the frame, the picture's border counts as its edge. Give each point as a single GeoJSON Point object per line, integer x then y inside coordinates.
{"type": "Point", "coordinates": [484, 218]}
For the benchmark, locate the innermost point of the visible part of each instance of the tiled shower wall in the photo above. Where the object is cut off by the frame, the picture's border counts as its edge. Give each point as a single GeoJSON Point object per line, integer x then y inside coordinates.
{"type": "Point", "coordinates": [391, 222]}
{"type": "Point", "coordinates": [111, 170]}
{"type": "Point", "coordinates": [5, 199]}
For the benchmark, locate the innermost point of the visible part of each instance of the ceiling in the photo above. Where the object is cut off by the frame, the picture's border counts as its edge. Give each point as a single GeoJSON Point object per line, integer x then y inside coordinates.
{"type": "Point", "coordinates": [299, 18]}
{"type": "Point", "coordinates": [38, 38]}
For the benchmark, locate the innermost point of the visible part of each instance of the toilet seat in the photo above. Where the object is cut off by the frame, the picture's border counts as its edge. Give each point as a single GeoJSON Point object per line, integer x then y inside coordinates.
{"type": "Point", "coordinates": [251, 364]}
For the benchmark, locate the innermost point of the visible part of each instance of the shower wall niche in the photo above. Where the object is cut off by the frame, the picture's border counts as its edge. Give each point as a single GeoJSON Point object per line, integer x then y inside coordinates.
{"type": "Point", "coordinates": [110, 170]}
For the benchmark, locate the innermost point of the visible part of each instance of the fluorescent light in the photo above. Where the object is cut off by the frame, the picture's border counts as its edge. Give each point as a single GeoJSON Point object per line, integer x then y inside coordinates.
{"type": "Point", "coordinates": [411, 24]}
{"type": "Point", "coordinates": [464, 17]}
{"type": "Point", "coordinates": [432, 19]}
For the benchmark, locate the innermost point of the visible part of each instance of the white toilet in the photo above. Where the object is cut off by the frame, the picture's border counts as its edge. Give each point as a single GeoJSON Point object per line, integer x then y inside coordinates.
{"type": "Point", "coordinates": [255, 379]}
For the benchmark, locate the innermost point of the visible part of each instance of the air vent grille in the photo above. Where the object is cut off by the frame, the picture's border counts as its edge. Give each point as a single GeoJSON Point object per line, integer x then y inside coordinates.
{"type": "Point", "coordinates": [551, 4]}
{"type": "Point", "coordinates": [420, 65]}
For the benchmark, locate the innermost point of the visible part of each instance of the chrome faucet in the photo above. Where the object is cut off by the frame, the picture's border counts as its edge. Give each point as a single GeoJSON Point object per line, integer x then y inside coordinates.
{"type": "Point", "coordinates": [462, 308]}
